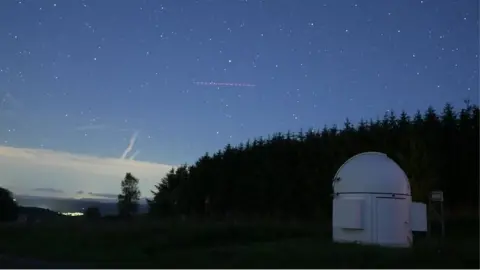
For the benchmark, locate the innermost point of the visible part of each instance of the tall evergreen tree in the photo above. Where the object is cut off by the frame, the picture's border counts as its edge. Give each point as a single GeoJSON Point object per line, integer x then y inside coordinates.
{"type": "Point", "coordinates": [128, 200]}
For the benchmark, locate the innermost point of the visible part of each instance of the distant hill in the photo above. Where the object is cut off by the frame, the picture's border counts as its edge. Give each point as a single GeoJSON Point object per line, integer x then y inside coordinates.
{"type": "Point", "coordinates": [38, 212]}
{"type": "Point", "coordinates": [63, 205]}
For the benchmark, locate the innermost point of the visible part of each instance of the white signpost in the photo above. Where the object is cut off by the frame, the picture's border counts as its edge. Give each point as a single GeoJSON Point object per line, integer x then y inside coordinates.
{"type": "Point", "coordinates": [435, 210]}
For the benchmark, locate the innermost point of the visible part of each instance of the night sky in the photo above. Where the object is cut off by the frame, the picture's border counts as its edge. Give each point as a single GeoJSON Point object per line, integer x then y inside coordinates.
{"type": "Point", "coordinates": [179, 78]}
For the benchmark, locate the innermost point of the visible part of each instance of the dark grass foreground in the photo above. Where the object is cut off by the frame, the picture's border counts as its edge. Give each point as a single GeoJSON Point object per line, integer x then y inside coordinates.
{"type": "Point", "coordinates": [144, 244]}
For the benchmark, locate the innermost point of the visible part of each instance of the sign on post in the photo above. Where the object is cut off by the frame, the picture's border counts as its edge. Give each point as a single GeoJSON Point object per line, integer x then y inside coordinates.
{"type": "Point", "coordinates": [436, 196]}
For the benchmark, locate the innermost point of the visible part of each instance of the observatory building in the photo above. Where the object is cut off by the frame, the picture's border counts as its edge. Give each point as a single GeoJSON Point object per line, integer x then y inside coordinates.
{"type": "Point", "coordinates": [372, 203]}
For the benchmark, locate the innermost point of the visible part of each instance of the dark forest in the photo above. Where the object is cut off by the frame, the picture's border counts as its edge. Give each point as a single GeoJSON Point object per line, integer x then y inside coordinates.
{"type": "Point", "coordinates": [289, 175]}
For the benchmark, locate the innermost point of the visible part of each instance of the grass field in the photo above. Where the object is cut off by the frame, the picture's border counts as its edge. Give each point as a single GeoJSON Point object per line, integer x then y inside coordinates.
{"type": "Point", "coordinates": [147, 244]}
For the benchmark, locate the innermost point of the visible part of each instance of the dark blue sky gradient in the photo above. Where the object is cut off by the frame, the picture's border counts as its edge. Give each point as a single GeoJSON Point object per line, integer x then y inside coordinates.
{"type": "Point", "coordinates": [81, 76]}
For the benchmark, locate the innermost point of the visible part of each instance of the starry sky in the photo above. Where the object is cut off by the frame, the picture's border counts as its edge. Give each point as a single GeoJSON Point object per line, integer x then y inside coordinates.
{"type": "Point", "coordinates": [92, 89]}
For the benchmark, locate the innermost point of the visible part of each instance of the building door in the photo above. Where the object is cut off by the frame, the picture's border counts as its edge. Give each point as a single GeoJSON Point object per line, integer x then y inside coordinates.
{"type": "Point", "coordinates": [392, 217]}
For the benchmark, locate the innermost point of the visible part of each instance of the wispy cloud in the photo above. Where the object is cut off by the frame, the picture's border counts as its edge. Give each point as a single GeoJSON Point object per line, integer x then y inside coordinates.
{"type": "Point", "coordinates": [94, 195]}
{"type": "Point", "coordinates": [91, 127]}
{"type": "Point", "coordinates": [130, 146]}
{"type": "Point", "coordinates": [26, 168]}
{"type": "Point", "coordinates": [48, 190]}
{"type": "Point", "coordinates": [104, 195]}
{"type": "Point", "coordinates": [9, 105]}
{"type": "Point", "coordinates": [132, 157]}
{"type": "Point", "coordinates": [3, 100]}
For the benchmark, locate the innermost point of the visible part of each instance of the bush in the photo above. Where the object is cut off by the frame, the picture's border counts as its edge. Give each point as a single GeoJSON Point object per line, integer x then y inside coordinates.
{"type": "Point", "coordinates": [8, 205]}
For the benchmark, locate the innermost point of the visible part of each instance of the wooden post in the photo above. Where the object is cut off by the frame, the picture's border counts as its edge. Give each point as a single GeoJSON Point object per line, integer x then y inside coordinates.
{"type": "Point", "coordinates": [436, 199]}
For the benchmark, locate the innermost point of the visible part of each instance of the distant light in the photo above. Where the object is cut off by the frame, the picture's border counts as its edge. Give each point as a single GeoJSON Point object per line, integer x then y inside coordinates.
{"type": "Point", "coordinates": [72, 214]}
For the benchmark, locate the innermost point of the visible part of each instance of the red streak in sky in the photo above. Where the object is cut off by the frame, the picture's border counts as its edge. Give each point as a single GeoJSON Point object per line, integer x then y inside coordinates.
{"type": "Point", "coordinates": [225, 84]}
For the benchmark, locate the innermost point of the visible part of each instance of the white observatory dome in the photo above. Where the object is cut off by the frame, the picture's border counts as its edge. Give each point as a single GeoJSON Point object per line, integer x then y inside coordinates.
{"type": "Point", "coordinates": [371, 172]}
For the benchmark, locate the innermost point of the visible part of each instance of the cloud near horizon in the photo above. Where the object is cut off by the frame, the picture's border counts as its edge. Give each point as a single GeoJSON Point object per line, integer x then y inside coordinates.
{"type": "Point", "coordinates": [24, 169]}
{"type": "Point", "coordinates": [104, 195]}
{"type": "Point", "coordinates": [48, 190]}
{"type": "Point", "coordinates": [95, 195]}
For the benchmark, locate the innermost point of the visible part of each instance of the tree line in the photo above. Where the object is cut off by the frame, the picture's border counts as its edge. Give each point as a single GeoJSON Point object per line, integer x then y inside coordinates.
{"type": "Point", "coordinates": [289, 175]}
